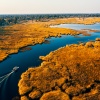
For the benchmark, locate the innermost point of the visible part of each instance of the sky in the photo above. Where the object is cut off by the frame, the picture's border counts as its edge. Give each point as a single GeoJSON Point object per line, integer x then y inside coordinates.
{"type": "Point", "coordinates": [49, 6]}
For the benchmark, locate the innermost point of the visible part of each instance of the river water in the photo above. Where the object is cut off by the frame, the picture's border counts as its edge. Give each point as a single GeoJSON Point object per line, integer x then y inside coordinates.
{"type": "Point", "coordinates": [30, 58]}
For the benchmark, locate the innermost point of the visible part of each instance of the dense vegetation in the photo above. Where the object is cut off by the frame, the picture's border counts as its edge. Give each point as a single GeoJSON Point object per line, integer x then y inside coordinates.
{"type": "Point", "coordinates": [13, 19]}
{"type": "Point", "coordinates": [65, 74]}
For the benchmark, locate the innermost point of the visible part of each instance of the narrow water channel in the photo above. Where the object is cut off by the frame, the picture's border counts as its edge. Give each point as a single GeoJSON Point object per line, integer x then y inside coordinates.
{"type": "Point", "coordinates": [30, 58]}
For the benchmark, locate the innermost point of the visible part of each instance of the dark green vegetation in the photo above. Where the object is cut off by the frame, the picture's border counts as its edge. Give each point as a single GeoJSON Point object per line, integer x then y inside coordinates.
{"type": "Point", "coordinates": [13, 19]}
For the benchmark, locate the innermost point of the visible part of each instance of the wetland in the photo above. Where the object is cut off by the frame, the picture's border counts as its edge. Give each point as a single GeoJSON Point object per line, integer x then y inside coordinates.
{"type": "Point", "coordinates": [62, 35]}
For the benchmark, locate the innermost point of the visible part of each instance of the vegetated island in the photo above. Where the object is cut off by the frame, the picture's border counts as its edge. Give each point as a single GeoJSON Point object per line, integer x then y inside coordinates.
{"type": "Point", "coordinates": [69, 73]}
{"type": "Point", "coordinates": [16, 36]}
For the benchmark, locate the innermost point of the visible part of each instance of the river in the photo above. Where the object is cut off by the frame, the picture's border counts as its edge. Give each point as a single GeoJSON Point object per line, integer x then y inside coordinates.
{"type": "Point", "coordinates": [30, 58]}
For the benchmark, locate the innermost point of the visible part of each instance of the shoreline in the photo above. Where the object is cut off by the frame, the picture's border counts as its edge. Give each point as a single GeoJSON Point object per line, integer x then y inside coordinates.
{"type": "Point", "coordinates": [36, 33]}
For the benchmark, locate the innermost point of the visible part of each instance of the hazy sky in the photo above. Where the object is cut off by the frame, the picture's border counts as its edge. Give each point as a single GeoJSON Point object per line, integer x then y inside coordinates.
{"type": "Point", "coordinates": [49, 6]}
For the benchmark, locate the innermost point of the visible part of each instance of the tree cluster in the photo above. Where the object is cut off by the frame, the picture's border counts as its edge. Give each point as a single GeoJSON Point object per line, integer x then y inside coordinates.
{"type": "Point", "coordinates": [13, 19]}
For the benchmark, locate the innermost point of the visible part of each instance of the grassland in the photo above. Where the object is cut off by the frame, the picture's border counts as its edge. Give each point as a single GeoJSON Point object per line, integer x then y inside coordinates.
{"type": "Point", "coordinates": [69, 73]}
{"type": "Point", "coordinates": [14, 37]}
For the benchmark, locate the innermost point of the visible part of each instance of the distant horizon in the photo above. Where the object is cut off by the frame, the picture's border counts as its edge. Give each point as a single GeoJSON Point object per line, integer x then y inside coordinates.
{"type": "Point", "coordinates": [44, 13]}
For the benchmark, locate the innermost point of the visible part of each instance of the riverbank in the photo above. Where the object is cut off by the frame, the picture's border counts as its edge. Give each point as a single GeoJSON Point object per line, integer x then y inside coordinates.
{"type": "Point", "coordinates": [14, 37]}
{"type": "Point", "coordinates": [71, 73]}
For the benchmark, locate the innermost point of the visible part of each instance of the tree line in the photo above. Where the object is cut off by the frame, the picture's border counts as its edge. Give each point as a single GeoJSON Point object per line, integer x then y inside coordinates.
{"type": "Point", "coordinates": [13, 19]}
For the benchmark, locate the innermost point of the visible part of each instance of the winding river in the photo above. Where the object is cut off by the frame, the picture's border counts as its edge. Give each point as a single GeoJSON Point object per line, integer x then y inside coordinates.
{"type": "Point", "coordinates": [9, 88]}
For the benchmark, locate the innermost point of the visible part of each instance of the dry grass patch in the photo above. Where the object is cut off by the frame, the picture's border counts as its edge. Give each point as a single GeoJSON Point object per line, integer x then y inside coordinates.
{"type": "Point", "coordinates": [73, 71]}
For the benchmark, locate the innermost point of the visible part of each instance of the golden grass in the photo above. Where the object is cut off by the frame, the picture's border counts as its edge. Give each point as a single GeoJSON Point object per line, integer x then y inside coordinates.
{"type": "Point", "coordinates": [31, 33]}
{"type": "Point", "coordinates": [55, 95]}
{"type": "Point", "coordinates": [70, 72]}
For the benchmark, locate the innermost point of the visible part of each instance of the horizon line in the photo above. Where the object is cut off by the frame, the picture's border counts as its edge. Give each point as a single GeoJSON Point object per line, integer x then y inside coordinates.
{"type": "Point", "coordinates": [43, 13]}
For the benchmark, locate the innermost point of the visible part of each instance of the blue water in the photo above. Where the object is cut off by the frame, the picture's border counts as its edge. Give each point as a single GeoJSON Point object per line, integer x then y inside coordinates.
{"type": "Point", "coordinates": [30, 58]}
{"type": "Point", "coordinates": [79, 26]}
